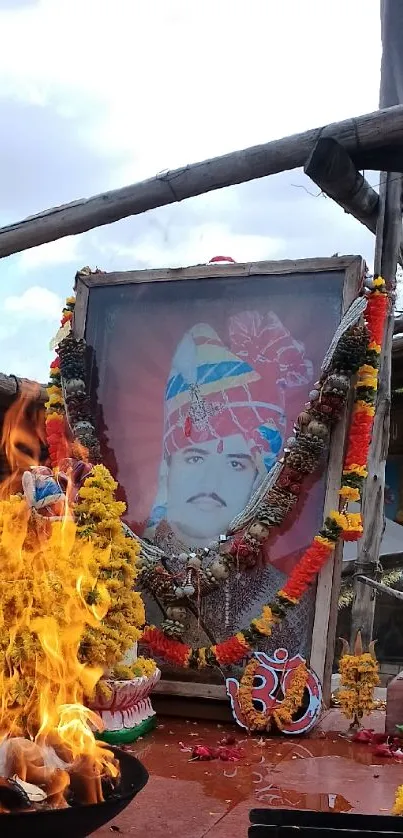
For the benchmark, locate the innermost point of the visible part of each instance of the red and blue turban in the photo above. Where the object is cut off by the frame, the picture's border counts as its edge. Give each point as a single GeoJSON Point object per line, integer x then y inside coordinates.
{"type": "Point", "coordinates": [215, 391]}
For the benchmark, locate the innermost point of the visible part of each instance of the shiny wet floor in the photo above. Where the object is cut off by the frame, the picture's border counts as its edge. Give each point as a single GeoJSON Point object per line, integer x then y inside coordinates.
{"type": "Point", "coordinates": [191, 799]}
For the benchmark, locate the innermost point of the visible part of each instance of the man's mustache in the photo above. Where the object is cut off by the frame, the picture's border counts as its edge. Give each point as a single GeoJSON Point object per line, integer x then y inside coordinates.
{"type": "Point", "coordinates": [212, 495]}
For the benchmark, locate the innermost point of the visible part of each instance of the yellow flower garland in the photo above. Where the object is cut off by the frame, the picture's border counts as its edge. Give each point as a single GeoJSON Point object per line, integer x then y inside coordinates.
{"type": "Point", "coordinates": [398, 805]}
{"type": "Point", "coordinates": [359, 677]}
{"type": "Point", "coordinates": [255, 719]}
{"type": "Point", "coordinates": [98, 516]}
{"type": "Point", "coordinates": [283, 715]}
{"type": "Point", "coordinates": [293, 697]}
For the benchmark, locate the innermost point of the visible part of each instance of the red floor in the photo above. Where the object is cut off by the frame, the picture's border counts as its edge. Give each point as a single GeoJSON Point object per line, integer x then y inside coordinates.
{"type": "Point", "coordinates": [194, 799]}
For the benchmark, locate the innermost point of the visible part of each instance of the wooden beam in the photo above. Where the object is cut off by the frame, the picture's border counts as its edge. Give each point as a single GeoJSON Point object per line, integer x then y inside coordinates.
{"type": "Point", "coordinates": [332, 169]}
{"type": "Point", "coordinates": [378, 586]}
{"type": "Point", "coordinates": [10, 385]}
{"type": "Point", "coordinates": [371, 131]}
{"type": "Point", "coordinates": [387, 158]}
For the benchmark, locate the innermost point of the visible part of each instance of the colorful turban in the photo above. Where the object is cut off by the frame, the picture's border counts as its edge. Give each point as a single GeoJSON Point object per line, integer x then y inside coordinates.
{"type": "Point", "coordinates": [214, 392]}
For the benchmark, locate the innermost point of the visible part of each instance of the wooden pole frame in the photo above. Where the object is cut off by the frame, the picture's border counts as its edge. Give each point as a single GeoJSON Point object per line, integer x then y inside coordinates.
{"type": "Point", "coordinates": [388, 241]}
{"type": "Point", "coordinates": [366, 139]}
{"type": "Point", "coordinates": [332, 169]}
{"type": "Point", "coordinates": [326, 604]}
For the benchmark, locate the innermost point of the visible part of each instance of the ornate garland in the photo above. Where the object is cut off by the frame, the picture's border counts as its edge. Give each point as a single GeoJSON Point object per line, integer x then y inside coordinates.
{"type": "Point", "coordinates": [72, 443]}
{"type": "Point", "coordinates": [274, 500]}
{"type": "Point", "coordinates": [357, 349]}
{"type": "Point", "coordinates": [345, 524]}
{"type": "Point", "coordinates": [293, 698]}
{"type": "Point", "coordinates": [355, 464]}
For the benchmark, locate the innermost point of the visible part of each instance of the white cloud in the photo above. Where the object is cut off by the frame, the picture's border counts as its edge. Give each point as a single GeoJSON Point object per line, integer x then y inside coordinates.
{"type": "Point", "coordinates": [27, 323]}
{"type": "Point", "coordinates": [35, 303]}
{"type": "Point", "coordinates": [173, 82]}
{"type": "Point", "coordinates": [55, 253]}
{"type": "Point", "coordinates": [200, 245]}
{"type": "Point", "coordinates": [101, 93]}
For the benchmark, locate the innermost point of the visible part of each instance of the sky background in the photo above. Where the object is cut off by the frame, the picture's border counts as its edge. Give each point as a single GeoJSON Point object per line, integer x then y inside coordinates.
{"type": "Point", "coordinates": [97, 94]}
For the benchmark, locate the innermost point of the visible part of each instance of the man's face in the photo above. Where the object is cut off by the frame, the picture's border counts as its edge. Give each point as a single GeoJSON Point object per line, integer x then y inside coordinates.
{"type": "Point", "coordinates": [208, 486]}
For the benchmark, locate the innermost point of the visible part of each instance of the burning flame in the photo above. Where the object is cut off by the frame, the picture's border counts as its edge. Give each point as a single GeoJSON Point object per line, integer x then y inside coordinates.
{"type": "Point", "coordinates": [19, 443]}
{"type": "Point", "coordinates": [49, 594]}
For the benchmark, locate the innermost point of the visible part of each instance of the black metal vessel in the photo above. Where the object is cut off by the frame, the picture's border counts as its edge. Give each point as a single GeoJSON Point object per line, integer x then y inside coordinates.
{"type": "Point", "coordinates": [79, 821]}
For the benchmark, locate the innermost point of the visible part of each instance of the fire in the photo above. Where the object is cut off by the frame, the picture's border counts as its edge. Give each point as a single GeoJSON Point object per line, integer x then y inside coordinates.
{"type": "Point", "coordinates": [21, 446]}
{"type": "Point", "coordinates": [49, 595]}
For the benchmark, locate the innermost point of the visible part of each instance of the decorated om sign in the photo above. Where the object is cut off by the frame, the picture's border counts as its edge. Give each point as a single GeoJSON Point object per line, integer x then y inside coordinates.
{"type": "Point", "coordinates": [270, 685]}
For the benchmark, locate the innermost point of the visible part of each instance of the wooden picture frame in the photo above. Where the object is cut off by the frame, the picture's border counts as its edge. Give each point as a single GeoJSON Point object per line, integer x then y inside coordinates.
{"type": "Point", "coordinates": [325, 616]}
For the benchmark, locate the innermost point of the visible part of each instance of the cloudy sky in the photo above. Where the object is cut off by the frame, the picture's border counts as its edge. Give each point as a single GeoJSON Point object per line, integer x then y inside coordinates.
{"type": "Point", "coordinates": [96, 94]}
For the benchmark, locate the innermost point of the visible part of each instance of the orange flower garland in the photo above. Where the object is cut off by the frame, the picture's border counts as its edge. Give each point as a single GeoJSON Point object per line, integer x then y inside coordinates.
{"type": "Point", "coordinates": [338, 525]}
{"type": "Point", "coordinates": [55, 421]}
{"type": "Point", "coordinates": [55, 418]}
{"type": "Point", "coordinates": [355, 463]}
{"type": "Point", "coordinates": [305, 571]}
{"type": "Point", "coordinates": [236, 648]}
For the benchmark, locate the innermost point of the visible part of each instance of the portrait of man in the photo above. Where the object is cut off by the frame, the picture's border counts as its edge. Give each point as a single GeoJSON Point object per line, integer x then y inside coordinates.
{"type": "Point", "coordinates": [224, 428]}
{"type": "Point", "coordinates": [200, 384]}
{"type": "Point", "coordinates": [224, 422]}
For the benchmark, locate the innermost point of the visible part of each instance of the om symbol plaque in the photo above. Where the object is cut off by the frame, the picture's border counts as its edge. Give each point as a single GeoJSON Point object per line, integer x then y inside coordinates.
{"type": "Point", "coordinates": [272, 676]}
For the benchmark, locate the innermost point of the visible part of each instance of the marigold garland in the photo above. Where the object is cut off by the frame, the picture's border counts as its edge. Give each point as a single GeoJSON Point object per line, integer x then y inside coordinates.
{"type": "Point", "coordinates": [398, 804]}
{"type": "Point", "coordinates": [338, 525]}
{"type": "Point", "coordinates": [293, 698]}
{"type": "Point", "coordinates": [236, 648]}
{"type": "Point", "coordinates": [255, 719]}
{"type": "Point", "coordinates": [305, 571]}
{"type": "Point", "coordinates": [355, 463]}
{"type": "Point", "coordinates": [359, 673]}
{"type": "Point", "coordinates": [346, 525]}
{"type": "Point", "coordinates": [55, 420]}
{"type": "Point", "coordinates": [98, 517]}
{"type": "Point", "coordinates": [284, 712]}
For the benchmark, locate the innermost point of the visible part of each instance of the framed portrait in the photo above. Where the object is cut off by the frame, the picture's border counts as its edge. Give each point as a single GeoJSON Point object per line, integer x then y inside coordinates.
{"type": "Point", "coordinates": [238, 347]}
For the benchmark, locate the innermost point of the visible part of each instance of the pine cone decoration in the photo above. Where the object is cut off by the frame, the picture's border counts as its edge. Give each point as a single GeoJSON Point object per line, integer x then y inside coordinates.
{"type": "Point", "coordinates": [337, 384]}
{"type": "Point", "coordinates": [303, 461]}
{"type": "Point", "coordinates": [271, 516]}
{"type": "Point", "coordinates": [311, 446]}
{"type": "Point", "coordinates": [351, 350]}
{"type": "Point", "coordinates": [281, 500]}
{"type": "Point", "coordinates": [72, 358]}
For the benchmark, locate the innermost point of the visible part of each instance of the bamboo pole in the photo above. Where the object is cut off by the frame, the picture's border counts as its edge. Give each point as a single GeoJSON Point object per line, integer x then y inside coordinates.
{"type": "Point", "coordinates": [379, 586]}
{"type": "Point", "coordinates": [361, 135]}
